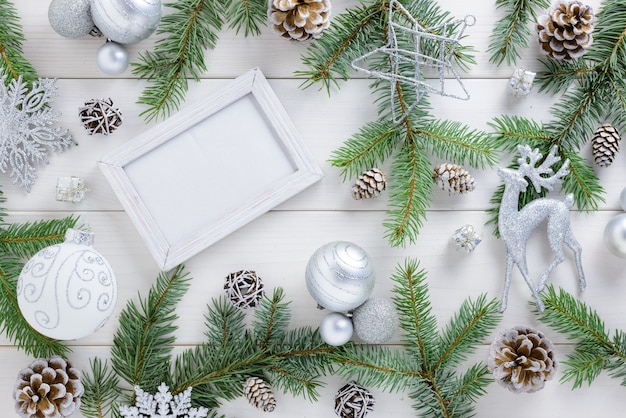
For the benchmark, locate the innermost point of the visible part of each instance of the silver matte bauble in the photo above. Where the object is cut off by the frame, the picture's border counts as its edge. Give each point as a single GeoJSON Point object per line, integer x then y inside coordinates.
{"type": "Point", "coordinates": [336, 329]}
{"type": "Point", "coordinates": [112, 58]}
{"type": "Point", "coordinates": [340, 276]}
{"type": "Point", "coordinates": [126, 21]}
{"type": "Point", "coordinates": [376, 321]}
{"type": "Point", "coordinates": [622, 199]}
{"type": "Point", "coordinates": [71, 18]}
{"type": "Point", "coordinates": [615, 235]}
{"type": "Point", "coordinates": [68, 290]}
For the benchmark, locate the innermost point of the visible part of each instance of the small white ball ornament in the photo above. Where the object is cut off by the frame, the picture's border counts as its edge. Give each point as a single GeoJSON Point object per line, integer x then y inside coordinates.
{"type": "Point", "coordinates": [376, 321]}
{"type": "Point", "coordinates": [126, 21]}
{"type": "Point", "coordinates": [71, 18]}
{"type": "Point", "coordinates": [336, 329]}
{"type": "Point", "coordinates": [68, 290]}
{"type": "Point", "coordinates": [112, 58]}
{"type": "Point", "coordinates": [615, 230]}
{"type": "Point", "coordinates": [340, 276]}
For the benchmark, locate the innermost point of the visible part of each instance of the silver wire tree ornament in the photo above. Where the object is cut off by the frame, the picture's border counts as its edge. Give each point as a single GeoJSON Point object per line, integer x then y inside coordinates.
{"type": "Point", "coordinates": [516, 225]}
{"type": "Point", "coordinates": [442, 36]}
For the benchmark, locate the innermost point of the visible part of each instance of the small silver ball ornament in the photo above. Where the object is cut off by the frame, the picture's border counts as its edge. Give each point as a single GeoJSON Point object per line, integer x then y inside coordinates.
{"type": "Point", "coordinates": [112, 58]}
{"type": "Point", "coordinates": [615, 235]}
{"type": "Point", "coordinates": [376, 321]}
{"type": "Point", "coordinates": [126, 21]}
{"type": "Point", "coordinates": [340, 276]}
{"type": "Point", "coordinates": [71, 18]}
{"type": "Point", "coordinates": [336, 329]}
{"type": "Point", "coordinates": [622, 199]}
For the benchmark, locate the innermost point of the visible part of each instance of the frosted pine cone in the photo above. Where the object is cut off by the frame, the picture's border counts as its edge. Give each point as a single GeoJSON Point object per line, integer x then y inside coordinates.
{"type": "Point", "coordinates": [370, 184]}
{"type": "Point", "coordinates": [605, 145]}
{"type": "Point", "coordinates": [259, 393]}
{"type": "Point", "coordinates": [453, 179]}
{"type": "Point", "coordinates": [565, 32]}
{"type": "Point", "coordinates": [48, 389]}
{"type": "Point", "coordinates": [300, 20]}
{"type": "Point", "coordinates": [353, 401]}
{"type": "Point", "coordinates": [522, 359]}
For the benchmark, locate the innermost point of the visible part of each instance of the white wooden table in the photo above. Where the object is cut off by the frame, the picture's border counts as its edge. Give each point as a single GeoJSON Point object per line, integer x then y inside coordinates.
{"type": "Point", "coordinates": [279, 244]}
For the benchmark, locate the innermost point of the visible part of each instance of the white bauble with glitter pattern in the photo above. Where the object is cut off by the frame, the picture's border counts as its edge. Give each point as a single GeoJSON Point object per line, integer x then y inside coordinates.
{"type": "Point", "coordinates": [67, 291]}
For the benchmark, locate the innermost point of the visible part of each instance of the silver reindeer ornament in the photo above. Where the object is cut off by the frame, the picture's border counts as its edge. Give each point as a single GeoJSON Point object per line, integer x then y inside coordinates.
{"type": "Point", "coordinates": [516, 225]}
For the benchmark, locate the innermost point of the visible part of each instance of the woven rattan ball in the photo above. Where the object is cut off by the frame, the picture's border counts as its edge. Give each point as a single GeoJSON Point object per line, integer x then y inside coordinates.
{"type": "Point", "coordinates": [244, 289]}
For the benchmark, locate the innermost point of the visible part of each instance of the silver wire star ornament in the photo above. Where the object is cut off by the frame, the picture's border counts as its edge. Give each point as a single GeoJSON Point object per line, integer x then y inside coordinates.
{"type": "Point", "coordinates": [444, 38]}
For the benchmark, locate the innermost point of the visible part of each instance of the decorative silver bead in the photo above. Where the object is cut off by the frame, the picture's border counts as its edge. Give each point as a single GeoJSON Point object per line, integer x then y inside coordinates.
{"type": "Point", "coordinates": [376, 321]}
{"type": "Point", "coordinates": [336, 329]}
{"type": "Point", "coordinates": [126, 21]}
{"type": "Point", "coordinates": [340, 276]}
{"type": "Point", "coordinates": [112, 58]}
{"type": "Point", "coordinates": [521, 83]}
{"type": "Point", "coordinates": [70, 18]}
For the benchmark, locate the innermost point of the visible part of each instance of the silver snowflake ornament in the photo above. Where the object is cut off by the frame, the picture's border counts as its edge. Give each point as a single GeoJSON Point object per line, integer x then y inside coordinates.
{"type": "Point", "coordinates": [26, 128]}
{"type": "Point", "coordinates": [162, 405]}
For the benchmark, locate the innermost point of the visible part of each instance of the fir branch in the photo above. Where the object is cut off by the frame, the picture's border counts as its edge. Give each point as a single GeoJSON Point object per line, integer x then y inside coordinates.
{"type": "Point", "coordinates": [583, 183]}
{"type": "Point", "coordinates": [12, 61]}
{"type": "Point", "coordinates": [249, 15]}
{"type": "Point", "coordinates": [26, 239]}
{"type": "Point", "coordinates": [557, 76]}
{"type": "Point", "coordinates": [142, 345]}
{"type": "Point", "coordinates": [224, 323]}
{"type": "Point", "coordinates": [271, 320]}
{"type": "Point", "coordinates": [512, 32]}
{"type": "Point", "coordinates": [101, 390]}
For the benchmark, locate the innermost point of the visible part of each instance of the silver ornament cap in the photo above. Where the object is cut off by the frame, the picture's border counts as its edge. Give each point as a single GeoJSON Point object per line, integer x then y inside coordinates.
{"type": "Point", "coordinates": [126, 21]}
{"type": "Point", "coordinates": [615, 235]}
{"type": "Point", "coordinates": [376, 321]}
{"type": "Point", "coordinates": [340, 276]}
{"type": "Point", "coordinates": [336, 329]}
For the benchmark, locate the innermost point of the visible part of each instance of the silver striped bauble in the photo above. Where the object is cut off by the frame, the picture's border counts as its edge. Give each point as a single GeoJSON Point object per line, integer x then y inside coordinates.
{"type": "Point", "coordinates": [126, 21]}
{"type": "Point", "coordinates": [340, 276]}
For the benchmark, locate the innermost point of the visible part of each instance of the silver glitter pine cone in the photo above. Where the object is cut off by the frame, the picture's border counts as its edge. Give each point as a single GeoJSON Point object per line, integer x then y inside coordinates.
{"type": "Point", "coordinates": [300, 20]}
{"type": "Point", "coordinates": [522, 359]}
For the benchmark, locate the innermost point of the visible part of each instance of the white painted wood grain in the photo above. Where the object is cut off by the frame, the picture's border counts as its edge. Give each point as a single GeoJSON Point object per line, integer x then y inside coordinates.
{"type": "Point", "coordinates": [278, 244]}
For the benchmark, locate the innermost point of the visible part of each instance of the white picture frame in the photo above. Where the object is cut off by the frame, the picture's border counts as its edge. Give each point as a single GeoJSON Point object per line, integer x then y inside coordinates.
{"type": "Point", "coordinates": [210, 169]}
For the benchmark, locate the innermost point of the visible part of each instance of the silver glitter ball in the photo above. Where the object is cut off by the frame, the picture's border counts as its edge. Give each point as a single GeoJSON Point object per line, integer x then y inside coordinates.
{"type": "Point", "coordinates": [126, 21]}
{"type": "Point", "coordinates": [336, 329]}
{"type": "Point", "coordinates": [615, 235]}
{"type": "Point", "coordinates": [376, 321]}
{"type": "Point", "coordinates": [340, 276]}
{"type": "Point", "coordinates": [112, 58]}
{"type": "Point", "coordinates": [71, 18]}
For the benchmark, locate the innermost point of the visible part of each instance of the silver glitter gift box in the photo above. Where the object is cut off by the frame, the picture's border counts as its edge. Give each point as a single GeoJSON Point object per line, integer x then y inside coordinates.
{"type": "Point", "coordinates": [71, 189]}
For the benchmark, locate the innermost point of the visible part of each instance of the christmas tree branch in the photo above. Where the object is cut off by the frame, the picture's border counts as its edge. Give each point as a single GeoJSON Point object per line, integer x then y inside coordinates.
{"type": "Point", "coordinates": [512, 32]}
{"type": "Point", "coordinates": [12, 61]}
{"type": "Point", "coordinates": [249, 15]}
{"type": "Point", "coordinates": [25, 240]}
{"type": "Point", "coordinates": [101, 390]}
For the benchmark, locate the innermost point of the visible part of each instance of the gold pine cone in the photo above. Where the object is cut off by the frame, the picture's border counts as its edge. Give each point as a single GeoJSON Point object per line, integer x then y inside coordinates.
{"type": "Point", "coordinates": [522, 359]}
{"type": "Point", "coordinates": [565, 32]}
{"type": "Point", "coordinates": [300, 20]}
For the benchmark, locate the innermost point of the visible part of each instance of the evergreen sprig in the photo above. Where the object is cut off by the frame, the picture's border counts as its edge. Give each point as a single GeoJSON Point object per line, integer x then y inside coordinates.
{"type": "Point", "coordinates": [18, 243]}
{"type": "Point", "coordinates": [511, 31]}
{"type": "Point", "coordinates": [187, 32]}
{"type": "Point", "coordinates": [13, 64]}
{"type": "Point", "coordinates": [430, 367]}
{"type": "Point", "coordinates": [101, 391]}
{"type": "Point", "coordinates": [595, 349]}
{"type": "Point", "coordinates": [418, 134]}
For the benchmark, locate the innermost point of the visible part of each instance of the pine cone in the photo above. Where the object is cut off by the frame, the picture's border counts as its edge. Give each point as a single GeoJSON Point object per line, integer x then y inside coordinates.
{"type": "Point", "coordinates": [48, 389]}
{"type": "Point", "coordinates": [353, 401]}
{"type": "Point", "coordinates": [99, 116]}
{"type": "Point", "coordinates": [605, 145]}
{"type": "Point", "coordinates": [259, 393]}
{"type": "Point", "coordinates": [522, 359]}
{"type": "Point", "coordinates": [244, 289]}
{"type": "Point", "coordinates": [453, 179]}
{"type": "Point", "coordinates": [565, 32]}
{"type": "Point", "coordinates": [300, 20]}
{"type": "Point", "coordinates": [369, 184]}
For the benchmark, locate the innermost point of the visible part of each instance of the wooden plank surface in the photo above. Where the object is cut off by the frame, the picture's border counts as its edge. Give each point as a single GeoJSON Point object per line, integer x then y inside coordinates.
{"type": "Point", "coordinates": [278, 244]}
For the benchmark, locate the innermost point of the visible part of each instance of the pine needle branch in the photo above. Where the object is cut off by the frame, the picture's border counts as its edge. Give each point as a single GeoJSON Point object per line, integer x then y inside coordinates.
{"type": "Point", "coordinates": [12, 61]}
{"type": "Point", "coordinates": [512, 32]}
{"type": "Point", "coordinates": [101, 390]}
{"type": "Point", "coordinates": [26, 239]}
{"type": "Point", "coordinates": [249, 15]}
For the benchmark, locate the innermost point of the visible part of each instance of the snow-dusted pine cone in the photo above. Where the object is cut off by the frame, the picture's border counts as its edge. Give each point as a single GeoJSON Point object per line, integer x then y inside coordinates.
{"type": "Point", "coordinates": [369, 184]}
{"type": "Point", "coordinates": [522, 359]}
{"type": "Point", "coordinates": [565, 32]}
{"type": "Point", "coordinates": [48, 389]}
{"type": "Point", "coordinates": [300, 20]}
{"type": "Point", "coordinates": [259, 393]}
{"type": "Point", "coordinates": [453, 178]}
{"type": "Point", "coordinates": [100, 116]}
{"type": "Point", "coordinates": [353, 401]}
{"type": "Point", "coordinates": [605, 145]}
{"type": "Point", "coordinates": [244, 289]}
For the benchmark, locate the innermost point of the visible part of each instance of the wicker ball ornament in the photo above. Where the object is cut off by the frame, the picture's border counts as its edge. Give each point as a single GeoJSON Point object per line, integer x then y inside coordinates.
{"type": "Point", "coordinates": [48, 389]}
{"type": "Point", "coordinates": [522, 359]}
{"type": "Point", "coordinates": [300, 20]}
{"type": "Point", "coordinates": [453, 179]}
{"type": "Point", "coordinates": [353, 401]}
{"type": "Point", "coordinates": [259, 393]}
{"type": "Point", "coordinates": [244, 289]}
{"type": "Point", "coordinates": [565, 32]}
{"type": "Point", "coordinates": [100, 116]}
{"type": "Point", "coordinates": [369, 184]}
{"type": "Point", "coordinates": [605, 145]}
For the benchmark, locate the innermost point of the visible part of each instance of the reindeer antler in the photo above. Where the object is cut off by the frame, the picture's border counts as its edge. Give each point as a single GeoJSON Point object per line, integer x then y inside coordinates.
{"type": "Point", "coordinates": [542, 175]}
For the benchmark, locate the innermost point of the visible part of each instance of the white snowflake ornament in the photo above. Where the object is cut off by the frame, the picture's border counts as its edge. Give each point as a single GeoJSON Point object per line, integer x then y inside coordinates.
{"type": "Point", "coordinates": [26, 131]}
{"type": "Point", "coordinates": [162, 405]}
